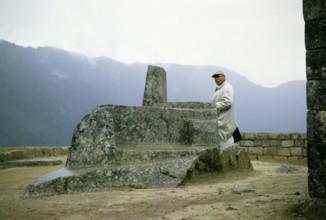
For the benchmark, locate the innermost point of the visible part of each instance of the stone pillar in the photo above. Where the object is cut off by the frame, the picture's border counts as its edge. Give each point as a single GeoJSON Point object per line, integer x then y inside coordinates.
{"type": "Point", "coordinates": [155, 87]}
{"type": "Point", "coordinates": [315, 40]}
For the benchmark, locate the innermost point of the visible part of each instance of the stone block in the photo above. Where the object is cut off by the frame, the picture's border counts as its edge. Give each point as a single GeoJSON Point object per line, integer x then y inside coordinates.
{"type": "Point", "coordinates": [265, 143]}
{"type": "Point", "coordinates": [316, 64]}
{"type": "Point", "coordinates": [315, 34]}
{"type": "Point", "coordinates": [314, 9]}
{"type": "Point", "coordinates": [203, 132]}
{"type": "Point", "coordinates": [255, 150]}
{"type": "Point", "coordinates": [300, 143]}
{"type": "Point", "coordinates": [288, 143]}
{"type": "Point", "coordinates": [283, 152]}
{"type": "Point", "coordinates": [106, 127]}
{"type": "Point", "coordinates": [316, 155]}
{"type": "Point", "coordinates": [296, 151]}
{"type": "Point", "coordinates": [245, 149]}
{"type": "Point", "coordinates": [230, 159]}
{"type": "Point", "coordinates": [275, 143]}
{"type": "Point", "coordinates": [257, 143]}
{"type": "Point", "coordinates": [316, 94]}
{"type": "Point", "coordinates": [249, 136]}
{"type": "Point", "coordinates": [247, 143]}
{"type": "Point", "coordinates": [93, 140]}
{"type": "Point", "coordinates": [317, 209]}
{"type": "Point", "coordinates": [316, 126]}
{"type": "Point", "coordinates": [317, 182]}
{"type": "Point", "coordinates": [269, 151]}
{"type": "Point", "coordinates": [149, 125]}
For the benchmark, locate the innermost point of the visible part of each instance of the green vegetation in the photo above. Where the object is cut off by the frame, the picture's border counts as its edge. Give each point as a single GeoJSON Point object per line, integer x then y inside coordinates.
{"type": "Point", "coordinates": [17, 153]}
{"type": "Point", "coordinates": [300, 208]}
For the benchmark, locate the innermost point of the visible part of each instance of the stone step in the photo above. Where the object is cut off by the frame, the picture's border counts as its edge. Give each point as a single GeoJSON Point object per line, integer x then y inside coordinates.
{"type": "Point", "coordinates": [171, 172]}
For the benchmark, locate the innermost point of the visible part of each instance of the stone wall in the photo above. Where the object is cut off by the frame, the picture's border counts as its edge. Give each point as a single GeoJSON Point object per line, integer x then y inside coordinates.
{"type": "Point", "coordinates": [292, 146]}
{"type": "Point", "coordinates": [314, 12]}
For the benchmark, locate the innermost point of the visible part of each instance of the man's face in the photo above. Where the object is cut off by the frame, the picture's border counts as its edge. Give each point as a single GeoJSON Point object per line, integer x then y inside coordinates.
{"type": "Point", "coordinates": [219, 79]}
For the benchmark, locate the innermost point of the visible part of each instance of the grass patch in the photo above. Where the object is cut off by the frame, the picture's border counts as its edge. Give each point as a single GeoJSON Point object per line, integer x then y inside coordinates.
{"type": "Point", "coordinates": [300, 208]}
{"type": "Point", "coordinates": [17, 153]}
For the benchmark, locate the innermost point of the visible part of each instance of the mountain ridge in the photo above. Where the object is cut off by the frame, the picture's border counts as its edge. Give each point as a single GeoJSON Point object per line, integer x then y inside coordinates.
{"type": "Point", "coordinates": [46, 91]}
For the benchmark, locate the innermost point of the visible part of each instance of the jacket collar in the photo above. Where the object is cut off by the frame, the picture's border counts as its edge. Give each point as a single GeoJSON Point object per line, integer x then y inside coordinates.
{"type": "Point", "coordinates": [220, 86]}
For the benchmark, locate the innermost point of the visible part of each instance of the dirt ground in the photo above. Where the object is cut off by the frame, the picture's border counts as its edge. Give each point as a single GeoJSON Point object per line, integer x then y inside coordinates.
{"type": "Point", "coordinates": [208, 197]}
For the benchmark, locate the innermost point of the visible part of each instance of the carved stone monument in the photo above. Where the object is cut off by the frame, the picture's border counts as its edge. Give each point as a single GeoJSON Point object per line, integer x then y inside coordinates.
{"type": "Point", "coordinates": [159, 144]}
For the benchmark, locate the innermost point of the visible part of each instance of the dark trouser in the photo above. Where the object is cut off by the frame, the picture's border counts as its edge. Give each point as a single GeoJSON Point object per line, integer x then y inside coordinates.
{"type": "Point", "coordinates": [237, 135]}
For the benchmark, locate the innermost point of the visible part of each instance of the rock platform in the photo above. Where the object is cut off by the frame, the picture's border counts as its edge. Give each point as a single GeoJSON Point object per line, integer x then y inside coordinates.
{"type": "Point", "coordinates": [159, 144]}
{"type": "Point", "coordinates": [146, 168]}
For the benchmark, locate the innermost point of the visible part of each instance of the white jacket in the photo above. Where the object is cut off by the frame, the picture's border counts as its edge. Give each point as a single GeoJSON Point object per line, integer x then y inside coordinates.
{"type": "Point", "coordinates": [223, 100]}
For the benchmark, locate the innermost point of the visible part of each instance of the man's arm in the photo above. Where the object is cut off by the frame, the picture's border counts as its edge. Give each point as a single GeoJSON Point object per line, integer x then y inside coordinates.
{"type": "Point", "coordinates": [226, 100]}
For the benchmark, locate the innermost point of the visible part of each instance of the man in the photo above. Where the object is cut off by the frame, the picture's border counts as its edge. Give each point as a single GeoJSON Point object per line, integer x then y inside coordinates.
{"type": "Point", "coordinates": [223, 100]}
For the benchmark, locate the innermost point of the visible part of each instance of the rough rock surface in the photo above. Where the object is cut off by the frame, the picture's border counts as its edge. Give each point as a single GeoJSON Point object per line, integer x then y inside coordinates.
{"type": "Point", "coordinates": [155, 88]}
{"type": "Point", "coordinates": [141, 169]}
{"type": "Point", "coordinates": [159, 144]}
{"type": "Point", "coordinates": [93, 139]}
{"type": "Point", "coordinates": [314, 12]}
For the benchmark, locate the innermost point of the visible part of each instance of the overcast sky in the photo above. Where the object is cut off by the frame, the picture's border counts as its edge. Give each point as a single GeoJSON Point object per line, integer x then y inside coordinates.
{"type": "Point", "coordinates": [260, 39]}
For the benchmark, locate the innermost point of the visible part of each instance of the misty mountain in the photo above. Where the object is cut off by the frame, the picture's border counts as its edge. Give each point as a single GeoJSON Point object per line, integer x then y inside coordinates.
{"type": "Point", "coordinates": [46, 91]}
{"type": "Point", "coordinates": [281, 109]}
